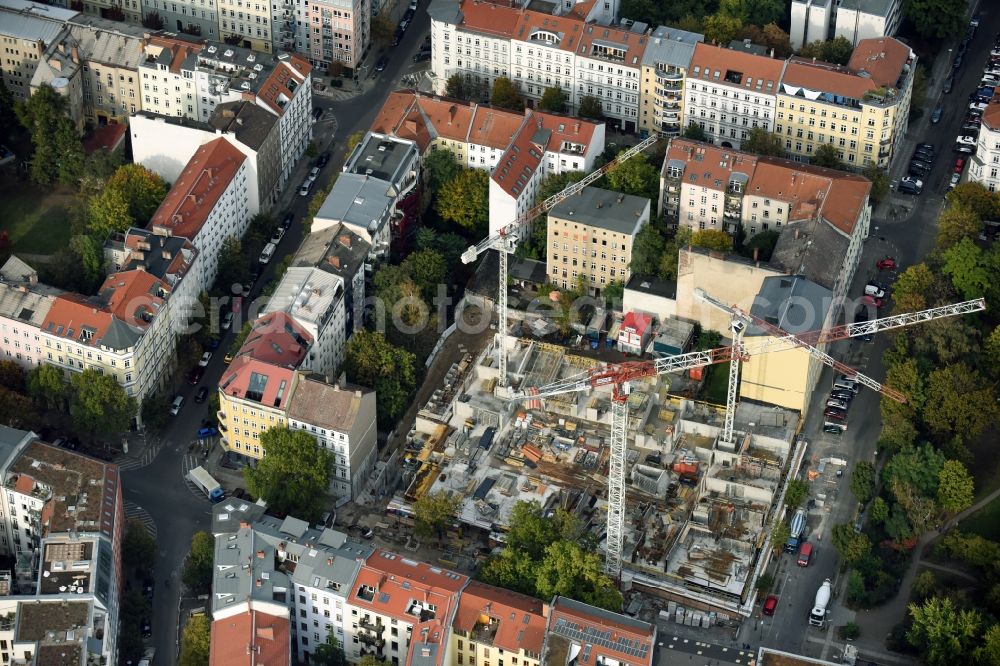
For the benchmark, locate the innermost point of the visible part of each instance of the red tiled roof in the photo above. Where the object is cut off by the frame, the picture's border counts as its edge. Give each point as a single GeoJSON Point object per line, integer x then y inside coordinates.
{"type": "Point", "coordinates": [249, 379]}
{"type": "Point", "coordinates": [836, 196]}
{"type": "Point", "coordinates": [520, 620]}
{"type": "Point", "coordinates": [590, 34]}
{"type": "Point", "coordinates": [276, 339]}
{"type": "Point", "coordinates": [107, 138]}
{"type": "Point", "coordinates": [591, 620]}
{"type": "Point", "coordinates": [422, 118]}
{"type": "Point", "coordinates": [495, 128]}
{"type": "Point", "coordinates": [388, 572]}
{"type": "Point", "coordinates": [710, 166]}
{"type": "Point", "coordinates": [881, 58]}
{"type": "Point", "coordinates": [268, 634]}
{"type": "Point", "coordinates": [71, 313]}
{"type": "Point", "coordinates": [196, 191]}
{"type": "Point", "coordinates": [709, 59]}
{"type": "Point", "coordinates": [133, 295]}
{"type": "Point", "coordinates": [637, 322]}
{"type": "Point", "coordinates": [180, 48]}
{"type": "Point", "coordinates": [991, 115]}
{"type": "Point", "coordinates": [826, 78]}
{"type": "Point", "coordinates": [488, 18]}
{"type": "Point", "coordinates": [294, 70]}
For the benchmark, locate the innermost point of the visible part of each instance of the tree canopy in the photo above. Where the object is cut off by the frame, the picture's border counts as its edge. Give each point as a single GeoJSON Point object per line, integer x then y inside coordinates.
{"type": "Point", "coordinates": [828, 156]}
{"type": "Point", "coordinates": [712, 239]}
{"type": "Point", "coordinates": [195, 642]}
{"type": "Point", "coordinates": [294, 474]}
{"type": "Point", "coordinates": [553, 100]}
{"type": "Point", "coordinates": [837, 51]}
{"type": "Point", "coordinates": [58, 152]}
{"type": "Point", "coordinates": [329, 653]}
{"type": "Point", "coordinates": [635, 176]}
{"type": "Point", "coordinates": [851, 545]}
{"type": "Point", "coordinates": [48, 387]}
{"type": "Point", "coordinates": [959, 399]}
{"type": "Point", "coordinates": [434, 514]}
{"type": "Point", "coordinates": [590, 107]}
{"type": "Point", "coordinates": [863, 480]}
{"type": "Point", "coordinates": [956, 487]}
{"type": "Point", "coordinates": [944, 634]}
{"type": "Point", "coordinates": [99, 405]}
{"type": "Point", "coordinates": [465, 200]}
{"type": "Point", "coordinates": [197, 571]}
{"type": "Point", "coordinates": [455, 87]}
{"type": "Point", "coordinates": [936, 19]}
{"type": "Point", "coordinates": [762, 142]}
{"type": "Point", "coordinates": [506, 95]}
{"type": "Point", "coordinates": [374, 362]}
{"type": "Point", "coordinates": [440, 166]}
{"type": "Point", "coordinates": [143, 190]}
{"type": "Point", "coordinates": [695, 132]}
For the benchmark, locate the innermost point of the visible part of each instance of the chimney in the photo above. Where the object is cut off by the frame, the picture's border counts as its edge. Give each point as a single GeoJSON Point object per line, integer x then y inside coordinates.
{"type": "Point", "coordinates": [796, 234]}
{"type": "Point", "coordinates": [244, 524]}
{"type": "Point", "coordinates": [260, 583]}
{"type": "Point", "coordinates": [75, 55]}
{"type": "Point", "coordinates": [260, 554]}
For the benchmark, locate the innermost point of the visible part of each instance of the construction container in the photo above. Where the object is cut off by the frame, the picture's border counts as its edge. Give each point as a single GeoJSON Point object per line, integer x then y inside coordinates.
{"type": "Point", "coordinates": [687, 467]}
{"type": "Point", "coordinates": [696, 373]}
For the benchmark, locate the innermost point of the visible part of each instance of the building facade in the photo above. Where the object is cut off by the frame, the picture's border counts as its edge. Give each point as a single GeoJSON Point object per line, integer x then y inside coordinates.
{"type": "Point", "coordinates": [24, 305]}
{"type": "Point", "coordinates": [854, 20]}
{"type": "Point", "coordinates": [198, 18]}
{"type": "Point", "coordinates": [590, 235]}
{"type": "Point", "coordinates": [247, 23]}
{"type": "Point", "coordinates": [731, 92]}
{"type": "Point", "coordinates": [333, 31]}
{"type": "Point", "coordinates": [26, 29]}
{"type": "Point", "coordinates": [343, 421]}
{"type": "Point", "coordinates": [168, 85]}
{"type": "Point", "coordinates": [985, 164]}
{"type": "Point", "coordinates": [665, 64]}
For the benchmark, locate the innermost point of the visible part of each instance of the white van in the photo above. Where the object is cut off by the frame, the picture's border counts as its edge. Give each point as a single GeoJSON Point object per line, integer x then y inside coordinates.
{"type": "Point", "coordinates": [175, 406]}
{"type": "Point", "coordinates": [267, 253]}
{"type": "Point", "coordinates": [846, 385]}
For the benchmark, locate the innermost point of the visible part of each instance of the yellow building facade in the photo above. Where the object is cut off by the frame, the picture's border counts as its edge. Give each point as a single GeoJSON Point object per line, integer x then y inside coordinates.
{"type": "Point", "coordinates": [661, 86]}
{"type": "Point", "coordinates": [248, 20]}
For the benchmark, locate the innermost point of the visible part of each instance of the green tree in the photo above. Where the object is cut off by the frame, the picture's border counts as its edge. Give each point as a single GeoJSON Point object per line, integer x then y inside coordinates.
{"type": "Point", "coordinates": [143, 190]}
{"type": "Point", "coordinates": [988, 653]}
{"type": "Point", "coordinates": [879, 511]}
{"type": "Point", "coordinates": [510, 569]}
{"type": "Point", "coordinates": [635, 176]}
{"type": "Point", "coordinates": [918, 466]}
{"type": "Point", "coordinates": [796, 493]}
{"type": "Point", "coordinates": [880, 182]}
{"type": "Point", "coordinates": [17, 411]}
{"type": "Point", "coordinates": [440, 166]}
{"type": "Point", "coordinates": [712, 239]}
{"type": "Point", "coordinates": [956, 487]}
{"type": "Point", "coordinates": [776, 38]}
{"type": "Point", "coordinates": [780, 534]}
{"type": "Point", "coordinates": [667, 266]}
{"type": "Point", "coordinates": [58, 152]}
{"type": "Point", "coordinates": [8, 119]}
{"type": "Point", "coordinates": [695, 132]}
{"type": "Point", "coordinates": [294, 474]}
{"type": "Point", "coordinates": [590, 107]}
{"type": "Point", "coordinates": [506, 95]}
{"type": "Point", "coordinates": [924, 584]}
{"type": "Point", "coordinates": [967, 265]}
{"type": "Point", "coordinates": [936, 20]}
{"type": "Point", "coordinates": [532, 532]}
{"type": "Point", "coordinates": [449, 245]}
{"type": "Point", "coordinates": [837, 51]}
{"type": "Point", "coordinates": [762, 142]}
{"type": "Point", "coordinates": [465, 200]}
{"type": "Point", "coordinates": [233, 266]}
{"type": "Point", "coordinates": [647, 248]}
{"type": "Point", "coordinates": [957, 222]}
{"type": "Point", "coordinates": [828, 156]}
{"type": "Point", "coordinates": [553, 100]}
{"type": "Point", "coordinates": [329, 653]}
{"type": "Point", "coordinates": [372, 361]}
{"type": "Point", "coordinates": [991, 348]}
{"type": "Point", "coordinates": [959, 399]}
{"type": "Point", "coordinates": [156, 411]}
{"type": "Point", "coordinates": [434, 514]}
{"type": "Point", "coordinates": [721, 29]}
{"type": "Point", "coordinates": [614, 293]}
{"type": "Point", "coordinates": [48, 387]}
{"type": "Point", "coordinates": [427, 269]}
{"type": "Point", "coordinates": [897, 524]}
{"type": "Point", "coordinates": [195, 642]}
{"type": "Point", "coordinates": [975, 197]}
{"type": "Point", "coordinates": [455, 87]}
{"type": "Point", "coordinates": [197, 571]}
{"type": "Point", "coordinates": [382, 29]}
{"type": "Point", "coordinates": [568, 570]}
{"type": "Point", "coordinates": [763, 242]}
{"type": "Point", "coordinates": [89, 263]}
{"type": "Point", "coordinates": [863, 481]}
{"type": "Point", "coordinates": [108, 212]}
{"type": "Point", "coordinates": [138, 546]}
{"type": "Point", "coordinates": [13, 376]}
{"type": "Point", "coordinates": [944, 634]}
{"type": "Point", "coordinates": [99, 405]}
{"type": "Point", "coordinates": [850, 545]}
{"type": "Point", "coordinates": [372, 660]}
{"type": "Point", "coordinates": [99, 167]}
{"type": "Point", "coordinates": [911, 289]}
{"type": "Point", "coordinates": [757, 12]}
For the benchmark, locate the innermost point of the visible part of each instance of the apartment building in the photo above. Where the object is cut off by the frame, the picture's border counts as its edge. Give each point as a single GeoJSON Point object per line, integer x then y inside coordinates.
{"type": "Point", "coordinates": [224, 73]}
{"type": "Point", "coordinates": [494, 625]}
{"type": "Point", "coordinates": [250, 637]}
{"type": "Point", "coordinates": [401, 610]}
{"type": "Point", "coordinates": [64, 525]}
{"type": "Point", "coordinates": [376, 195]}
{"type": "Point", "coordinates": [854, 20]}
{"type": "Point", "coordinates": [730, 92]}
{"type": "Point", "coordinates": [339, 251]}
{"type": "Point", "coordinates": [165, 145]}
{"type": "Point", "coordinates": [198, 18]}
{"type": "Point", "coordinates": [862, 109]}
{"type": "Point", "coordinates": [60, 630]}
{"type": "Point", "coordinates": [332, 31]}
{"type": "Point", "coordinates": [207, 204]}
{"type": "Point", "coordinates": [544, 144]}
{"type": "Point", "coordinates": [602, 636]}
{"type": "Point", "coordinates": [590, 234]}
{"type": "Point", "coordinates": [26, 29]}
{"type": "Point", "coordinates": [984, 167]}
{"type": "Point", "coordinates": [95, 62]}
{"type": "Point", "coordinates": [168, 85]}
{"type": "Point", "coordinates": [24, 304]}
{"type": "Point", "coordinates": [287, 93]}
{"type": "Point", "coordinates": [665, 64]}
{"type": "Point", "coordinates": [314, 299]}
{"type": "Point", "coordinates": [247, 23]}
{"type": "Point", "coordinates": [342, 419]}
{"type": "Point", "coordinates": [256, 388]}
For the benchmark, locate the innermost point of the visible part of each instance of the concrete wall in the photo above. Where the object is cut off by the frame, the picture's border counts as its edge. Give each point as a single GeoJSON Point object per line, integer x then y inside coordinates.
{"type": "Point", "coordinates": [639, 301]}
{"type": "Point", "coordinates": [779, 378]}
{"type": "Point", "coordinates": [726, 280]}
{"type": "Point", "coordinates": [810, 22]}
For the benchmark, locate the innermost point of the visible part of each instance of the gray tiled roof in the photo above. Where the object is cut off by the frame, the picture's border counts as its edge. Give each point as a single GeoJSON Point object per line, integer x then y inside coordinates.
{"type": "Point", "coordinates": [792, 303]}
{"type": "Point", "coordinates": [603, 209]}
{"type": "Point", "coordinates": [358, 201]}
{"type": "Point", "coordinates": [250, 123]}
{"type": "Point", "coordinates": [670, 46]}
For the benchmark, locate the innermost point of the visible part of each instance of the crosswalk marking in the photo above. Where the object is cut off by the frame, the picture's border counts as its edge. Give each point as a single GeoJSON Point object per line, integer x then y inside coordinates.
{"type": "Point", "coordinates": [135, 463]}
{"type": "Point", "coordinates": [135, 512]}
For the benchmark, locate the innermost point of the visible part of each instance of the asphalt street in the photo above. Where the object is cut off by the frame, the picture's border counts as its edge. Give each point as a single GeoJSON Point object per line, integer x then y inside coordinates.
{"type": "Point", "coordinates": [153, 481]}
{"type": "Point", "coordinates": [908, 236]}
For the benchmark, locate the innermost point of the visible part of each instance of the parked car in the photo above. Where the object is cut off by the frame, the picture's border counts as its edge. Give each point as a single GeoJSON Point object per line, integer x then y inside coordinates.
{"type": "Point", "coordinates": [205, 358]}
{"type": "Point", "coordinates": [805, 555]}
{"type": "Point", "coordinates": [413, 5]}
{"type": "Point", "coordinates": [958, 62]}
{"type": "Point", "coordinates": [195, 376]}
{"type": "Point", "coordinates": [835, 413]}
{"type": "Point", "coordinates": [959, 164]}
{"type": "Point", "coordinates": [175, 406]}
{"type": "Point", "coordinates": [408, 15]}
{"type": "Point", "coordinates": [289, 219]}
{"type": "Point", "coordinates": [770, 605]}
{"type": "Point", "coordinates": [209, 431]}
{"type": "Point", "coordinates": [278, 234]}
{"type": "Point", "coordinates": [832, 428]}
{"type": "Point", "coordinates": [910, 186]}
{"type": "Point", "coordinates": [886, 264]}
{"type": "Point", "coordinates": [918, 170]}
{"type": "Point", "coordinates": [147, 628]}
{"type": "Point", "coordinates": [322, 161]}
{"type": "Point", "coordinates": [936, 115]}
{"type": "Point", "coordinates": [422, 56]}
{"type": "Point", "coordinates": [227, 320]}
{"type": "Point", "coordinates": [317, 112]}
{"type": "Point", "coordinates": [839, 404]}
{"type": "Point", "coordinates": [838, 394]}
{"type": "Point", "coordinates": [201, 395]}
{"type": "Point", "coordinates": [964, 148]}
{"type": "Point", "coordinates": [978, 106]}
{"type": "Point", "coordinates": [874, 290]}
{"type": "Point", "coordinates": [306, 186]}
{"type": "Point", "coordinates": [871, 300]}
{"type": "Point", "coordinates": [380, 64]}
{"type": "Point", "coordinates": [953, 183]}
{"type": "Point", "coordinates": [948, 83]}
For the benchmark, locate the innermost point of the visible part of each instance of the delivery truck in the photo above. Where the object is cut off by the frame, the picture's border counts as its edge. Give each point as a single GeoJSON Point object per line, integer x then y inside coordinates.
{"type": "Point", "coordinates": [817, 616]}
{"type": "Point", "coordinates": [200, 477]}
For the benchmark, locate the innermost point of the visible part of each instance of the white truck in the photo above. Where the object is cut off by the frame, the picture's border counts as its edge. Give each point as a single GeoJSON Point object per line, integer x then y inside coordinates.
{"type": "Point", "coordinates": [817, 616]}
{"type": "Point", "coordinates": [200, 477]}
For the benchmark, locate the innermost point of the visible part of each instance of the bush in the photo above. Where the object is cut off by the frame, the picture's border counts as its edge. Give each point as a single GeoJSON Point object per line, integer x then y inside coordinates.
{"type": "Point", "coordinates": [849, 631]}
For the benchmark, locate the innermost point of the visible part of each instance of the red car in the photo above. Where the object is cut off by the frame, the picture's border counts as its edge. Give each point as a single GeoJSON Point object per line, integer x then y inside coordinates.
{"type": "Point", "coordinates": [886, 264]}
{"type": "Point", "coordinates": [959, 165]}
{"type": "Point", "coordinates": [835, 413]}
{"type": "Point", "coordinates": [770, 605]}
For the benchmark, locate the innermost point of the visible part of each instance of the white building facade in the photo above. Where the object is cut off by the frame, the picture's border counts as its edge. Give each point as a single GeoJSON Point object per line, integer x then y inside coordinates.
{"type": "Point", "coordinates": [985, 164]}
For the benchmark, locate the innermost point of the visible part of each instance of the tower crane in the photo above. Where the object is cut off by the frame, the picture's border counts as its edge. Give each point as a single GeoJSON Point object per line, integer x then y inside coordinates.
{"type": "Point", "coordinates": [620, 376]}
{"type": "Point", "coordinates": [506, 238]}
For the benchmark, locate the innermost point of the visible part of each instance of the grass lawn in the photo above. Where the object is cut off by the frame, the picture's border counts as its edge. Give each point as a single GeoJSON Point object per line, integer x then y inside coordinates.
{"type": "Point", "coordinates": [985, 522]}
{"type": "Point", "coordinates": [36, 217]}
{"type": "Point", "coordinates": [716, 384]}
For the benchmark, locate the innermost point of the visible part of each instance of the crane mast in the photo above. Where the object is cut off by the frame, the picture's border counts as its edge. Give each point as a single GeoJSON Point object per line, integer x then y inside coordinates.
{"type": "Point", "coordinates": [505, 241]}
{"type": "Point", "coordinates": [620, 376]}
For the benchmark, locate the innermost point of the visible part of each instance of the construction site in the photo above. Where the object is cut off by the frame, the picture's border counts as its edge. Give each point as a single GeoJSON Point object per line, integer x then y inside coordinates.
{"type": "Point", "coordinates": [697, 509]}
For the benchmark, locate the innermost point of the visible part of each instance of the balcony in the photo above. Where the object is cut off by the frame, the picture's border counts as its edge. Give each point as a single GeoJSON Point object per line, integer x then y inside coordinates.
{"type": "Point", "coordinates": [669, 84]}
{"type": "Point", "coordinates": [368, 625]}
{"type": "Point", "coordinates": [484, 632]}
{"type": "Point", "coordinates": [373, 641]}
